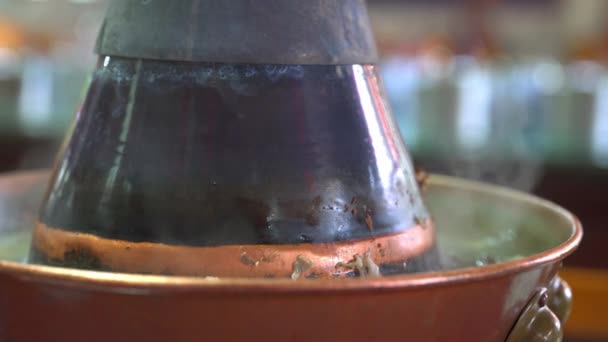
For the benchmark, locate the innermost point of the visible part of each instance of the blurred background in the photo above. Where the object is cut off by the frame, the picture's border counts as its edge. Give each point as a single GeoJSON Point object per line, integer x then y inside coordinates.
{"type": "Point", "coordinates": [513, 92]}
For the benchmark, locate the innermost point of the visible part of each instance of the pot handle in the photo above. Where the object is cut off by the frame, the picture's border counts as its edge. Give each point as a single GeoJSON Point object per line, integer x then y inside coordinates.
{"type": "Point", "coordinates": [560, 299]}
{"type": "Point", "coordinates": [544, 317]}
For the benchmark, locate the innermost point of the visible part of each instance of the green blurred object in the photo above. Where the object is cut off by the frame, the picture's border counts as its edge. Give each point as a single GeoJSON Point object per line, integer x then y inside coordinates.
{"type": "Point", "coordinates": [541, 110]}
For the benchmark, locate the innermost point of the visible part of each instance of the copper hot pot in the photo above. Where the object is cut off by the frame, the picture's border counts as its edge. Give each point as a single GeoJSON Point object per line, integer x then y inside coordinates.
{"type": "Point", "coordinates": [227, 162]}
{"type": "Point", "coordinates": [501, 251]}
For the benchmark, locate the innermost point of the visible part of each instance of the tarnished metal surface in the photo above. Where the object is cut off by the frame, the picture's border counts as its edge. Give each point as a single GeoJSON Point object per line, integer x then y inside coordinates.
{"type": "Point", "coordinates": [59, 247]}
{"type": "Point", "coordinates": [538, 323]}
{"type": "Point", "coordinates": [240, 31]}
{"type": "Point", "coordinates": [560, 298]}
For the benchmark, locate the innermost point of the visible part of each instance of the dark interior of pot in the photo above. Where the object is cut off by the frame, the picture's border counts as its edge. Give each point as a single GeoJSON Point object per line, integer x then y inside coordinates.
{"type": "Point", "coordinates": [476, 225]}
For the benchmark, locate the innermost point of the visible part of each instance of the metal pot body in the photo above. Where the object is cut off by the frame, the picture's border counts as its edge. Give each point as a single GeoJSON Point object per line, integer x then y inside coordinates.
{"type": "Point", "coordinates": [39, 303]}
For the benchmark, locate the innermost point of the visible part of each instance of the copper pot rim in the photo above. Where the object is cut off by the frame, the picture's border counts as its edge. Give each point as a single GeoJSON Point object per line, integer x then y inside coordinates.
{"type": "Point", "coordinates": [148, 284]}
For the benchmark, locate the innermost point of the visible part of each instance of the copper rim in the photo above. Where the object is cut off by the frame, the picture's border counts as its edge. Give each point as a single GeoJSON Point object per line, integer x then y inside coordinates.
{"type": "Point", "coordinates": [233, 261]}
{"type": "Point", "coordinates": [106, 281]}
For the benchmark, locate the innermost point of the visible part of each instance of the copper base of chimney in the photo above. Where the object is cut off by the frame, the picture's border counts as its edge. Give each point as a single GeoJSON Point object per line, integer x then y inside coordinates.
{"type": "Point", "coordinates": [57, 246]}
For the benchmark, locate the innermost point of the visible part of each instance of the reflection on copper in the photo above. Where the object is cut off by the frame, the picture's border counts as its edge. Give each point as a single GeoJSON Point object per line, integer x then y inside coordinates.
{"type": "Point", "coordinates": [378, 98]}
{"type": "Point", "coordinates": [377, 135]}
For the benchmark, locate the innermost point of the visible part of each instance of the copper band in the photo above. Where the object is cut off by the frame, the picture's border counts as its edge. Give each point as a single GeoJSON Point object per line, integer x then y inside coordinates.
{"type": "Point", "coordinates": [231, 261]}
